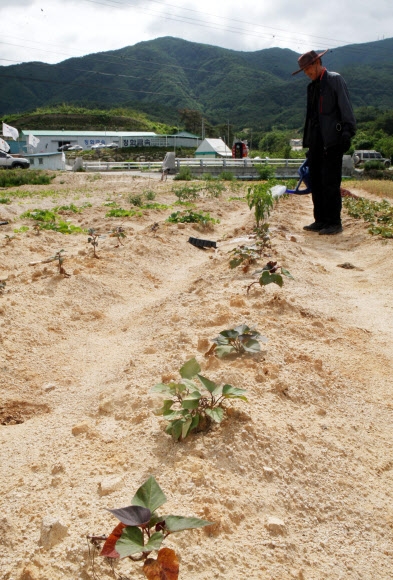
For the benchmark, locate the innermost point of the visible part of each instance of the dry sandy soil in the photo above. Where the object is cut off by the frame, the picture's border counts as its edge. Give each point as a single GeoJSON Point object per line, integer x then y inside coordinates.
{"type": "Point", "coordinates": [298, 480]}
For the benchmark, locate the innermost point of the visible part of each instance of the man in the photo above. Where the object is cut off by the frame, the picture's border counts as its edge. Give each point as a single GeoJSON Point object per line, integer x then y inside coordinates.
{"type": "Point", "coordinates": [328, 130]}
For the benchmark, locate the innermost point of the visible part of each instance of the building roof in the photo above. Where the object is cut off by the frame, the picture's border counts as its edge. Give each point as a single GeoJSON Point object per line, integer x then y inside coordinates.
{"type": "Point", "coordinates": [214, 146]}
{"type": "Point", "coordinates": [66, 133]}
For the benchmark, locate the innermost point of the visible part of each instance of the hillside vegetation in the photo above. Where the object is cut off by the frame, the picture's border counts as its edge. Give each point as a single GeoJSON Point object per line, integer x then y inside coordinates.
{"type": "Point", "coordinates": [163, 76]}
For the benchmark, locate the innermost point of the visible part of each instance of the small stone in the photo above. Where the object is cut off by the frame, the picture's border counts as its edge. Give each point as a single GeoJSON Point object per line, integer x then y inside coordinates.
{"type": "Point", "coordinates": [81, 428]}
{"type": "Point", "coordinates": [110, 484]}
{"type": "Point", "coordinates": [52, 532]}
{"type": "Point", "coordinates": [268, 471]}
{"type": "Point", "coordinates": [48, 387]}
{"type": "Point", "coordinates": [275, 525]}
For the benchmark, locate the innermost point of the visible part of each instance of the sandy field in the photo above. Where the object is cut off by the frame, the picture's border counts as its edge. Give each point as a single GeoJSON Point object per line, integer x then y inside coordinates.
{"type": "Point", "coordinates": [298, 480]}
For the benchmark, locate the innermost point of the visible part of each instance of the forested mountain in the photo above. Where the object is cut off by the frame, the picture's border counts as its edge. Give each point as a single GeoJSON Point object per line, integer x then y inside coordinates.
{"type": "Point", "coordinates": [163, 76]}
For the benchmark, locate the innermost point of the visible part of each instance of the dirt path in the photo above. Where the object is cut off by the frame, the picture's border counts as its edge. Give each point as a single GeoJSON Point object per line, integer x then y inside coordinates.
{"type": "Point", "coordinates": [78, 356]}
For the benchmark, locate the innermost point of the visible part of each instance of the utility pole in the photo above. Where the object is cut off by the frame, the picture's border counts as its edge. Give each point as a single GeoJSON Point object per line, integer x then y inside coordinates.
{"type": "Point", "coordinates": [228, 134]}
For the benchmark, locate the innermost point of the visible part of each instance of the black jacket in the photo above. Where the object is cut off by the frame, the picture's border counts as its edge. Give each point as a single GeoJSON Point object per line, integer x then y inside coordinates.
{"type": "Point", "coordinates": [335, 114]}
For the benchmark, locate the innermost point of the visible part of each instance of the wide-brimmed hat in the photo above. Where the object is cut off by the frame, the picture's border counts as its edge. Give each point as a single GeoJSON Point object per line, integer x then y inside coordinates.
{"type": "Point", "coordinates": [308, 58]}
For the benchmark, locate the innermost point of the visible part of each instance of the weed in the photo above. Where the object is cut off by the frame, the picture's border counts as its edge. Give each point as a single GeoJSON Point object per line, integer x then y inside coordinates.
{"type": "Point", "coordinates": [214, 188]}
{"type": "Point", "coordinates": [110, 204]}
{"type": "Point", "coordinates": [187, 192]}
{"type": "Point", "coordinates": [183, 175]}
{"type": "Point", "coordinates": [94, 177]}
{"type": "Point", "coordinates": [136, 200]}
{"type": "Point", "coordinates": [5, 200]}
{"type": "Point", "coordinates": [149, 195]}
{"type": "Point", "coordinates": [226, 176]}
{"type": "Point", "coordinates": [49, 220]}
{"type": "Point", "coordinates": [193, 405]}
{"type": "Point", "coordinates": [237, 340]}
{"type": "Point", "coordinates": [14, 178]}
{"type": "Point", "coordinates": [65, 208]}
{"type": "Point", "coordinates": [260, 198]}
{"type": "Point", "coordinates": [119, 212]}
{"type": "Point", "coordinates": [190, 216]}
{"type": "Point", "coordinates": [21, 230]}
{"type": "Point", "coordinates": [142, 531]}
{"type": "Point", "coordinates": [265, 172]}
{"type": "Point", "coordinates": [271, 274]}
{"type": "Point", "coordinates": [3, 284]}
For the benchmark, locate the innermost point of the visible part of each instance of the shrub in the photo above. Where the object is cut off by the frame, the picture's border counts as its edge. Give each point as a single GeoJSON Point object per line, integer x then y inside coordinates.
{"type": "Point", "coordinates": [184, 174]}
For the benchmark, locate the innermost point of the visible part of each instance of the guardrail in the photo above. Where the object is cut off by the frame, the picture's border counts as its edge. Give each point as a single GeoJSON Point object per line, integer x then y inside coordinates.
{"type": "Point", "coordinates": [193, 162]}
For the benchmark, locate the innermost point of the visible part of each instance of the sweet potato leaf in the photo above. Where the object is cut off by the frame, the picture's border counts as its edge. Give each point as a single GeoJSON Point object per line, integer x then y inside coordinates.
{"type": "Point", "coordinates": [149, 495]}
{"type": "Point", "coordinates": [230, 392]}
{"type": "Point", "coordinates": [217, 414]}
{"type": "Point", "coordinates": [179, 523]}
{"type": "Point", "coordinates": [132, 515]}
{"type": "Point", "coordinates": [190, 369]}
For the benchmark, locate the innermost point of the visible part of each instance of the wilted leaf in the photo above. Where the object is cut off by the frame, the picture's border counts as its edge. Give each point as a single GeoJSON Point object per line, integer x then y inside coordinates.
{"type": "Point", "coordinates": [179, 523]}
{"type": "Point", "coordinates": [216, 414]}
{"type": "Point", "coordinates": [190, 369]}
{"type": "Point", "coordinates": [211, 350]}
{"type": "Point", "coordinates": [149, 495]}
{"type": "Point", "coordinates": [132, 515]}
{"type": "Point", "coordinates": [108, 549]}
{"type": "Point", "coordinates": [235, 262]}
{"type": "Point", "coordinates": [166, 567]}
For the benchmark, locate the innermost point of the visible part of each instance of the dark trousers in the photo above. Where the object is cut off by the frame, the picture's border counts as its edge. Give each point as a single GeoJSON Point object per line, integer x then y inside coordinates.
{"type": "Point", "coordinates": [325, 168]}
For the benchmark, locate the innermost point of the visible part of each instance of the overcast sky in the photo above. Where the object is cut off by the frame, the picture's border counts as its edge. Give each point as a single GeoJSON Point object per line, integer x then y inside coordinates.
{"type": "Point", "coordinates": [54, 30]}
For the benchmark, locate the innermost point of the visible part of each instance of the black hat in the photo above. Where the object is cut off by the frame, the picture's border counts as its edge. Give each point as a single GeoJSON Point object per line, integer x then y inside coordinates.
{"type": "Point", "coordinates": [308, 58]}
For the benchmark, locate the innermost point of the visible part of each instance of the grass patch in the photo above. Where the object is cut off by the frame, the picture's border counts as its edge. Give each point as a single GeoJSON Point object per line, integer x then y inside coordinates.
{"type": "Point", "coordinates": [5, 200]}
{"type": "Point", "coordinates": [119, 212]}
{"type": "Point", "coordinates": [378, 188]}
{"type": "Point", "coordinates": [49, 220]}
{"type": "Point", "coordinates": [15, 178]}
{"type": "Point", "coordinates": [189, 216]}
{"type": "Point", "coordinates": [21, 194]}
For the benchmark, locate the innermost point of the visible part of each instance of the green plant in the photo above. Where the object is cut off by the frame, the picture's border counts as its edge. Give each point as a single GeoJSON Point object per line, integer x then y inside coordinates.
{"type": "Point", "coordinates": [5, 200]}
{"type": "Point", "coordinates": [136, 200]}
{"type": "Point", "coordinates": [226, 176]}
{"type": "Point", "coordinates": [378, 213]}
{"type": "Point", "coordinates": [265, 172]}
{"type": "Point", "coordinates": [49, 220]}
{"type": "Point", "coordinates": [59, 257]}
{"type": "Point", "coordinates": [119, 212]}
{"type": "Point", "coordinates": [272, 273]}
{"type": "Point", "coordinates": [142, 531]}
{"type": "Point", "coordinates": [149, 194]}
{"type": "Point", "coordinates": [214, 188]}
{"type": "Point", "coordinates": [15, 178]}
{"type": "Point", "coordinates": [237, 340]}
{"type": "Point", "coordinates": [190, 216]}
{"type": "Point", "coordinates": [183, 175]}
{"type": "Point", "coordinates": [187, 192]}
{"type": "Point", "coordinates": [193, 404]}
{"type": "Point", "coordinates": [245, 255]}
{"type": "Point", "coordinates": [119, 234]}
{"type": "Point", "coordinates": [260, 198]}
{"type": "Point", "coordinates": [92, 239]}
{"type": "Point", "coordinates": [21, 230]}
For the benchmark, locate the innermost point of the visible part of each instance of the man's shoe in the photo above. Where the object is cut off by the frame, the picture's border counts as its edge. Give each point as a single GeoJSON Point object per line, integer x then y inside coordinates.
{"type": "Point", "coordinates": [331, 230]}
{"type": "Point", "coordinates": [314, 227]}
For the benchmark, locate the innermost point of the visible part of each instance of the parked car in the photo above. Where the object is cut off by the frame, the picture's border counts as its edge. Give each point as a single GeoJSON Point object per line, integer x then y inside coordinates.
{"type": "Point", "coordinates": [64, 147]}
{"type": "Point", "coordinates": [75, 148]}
{"type": "Point", "coordinates": [98, 145]}
{"type": "Point", "coordinates": [363, 155]}
{"type": "Point", "coordinates": [112, 146]}
{"type": "Point", "coordinates": [9, 162]}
